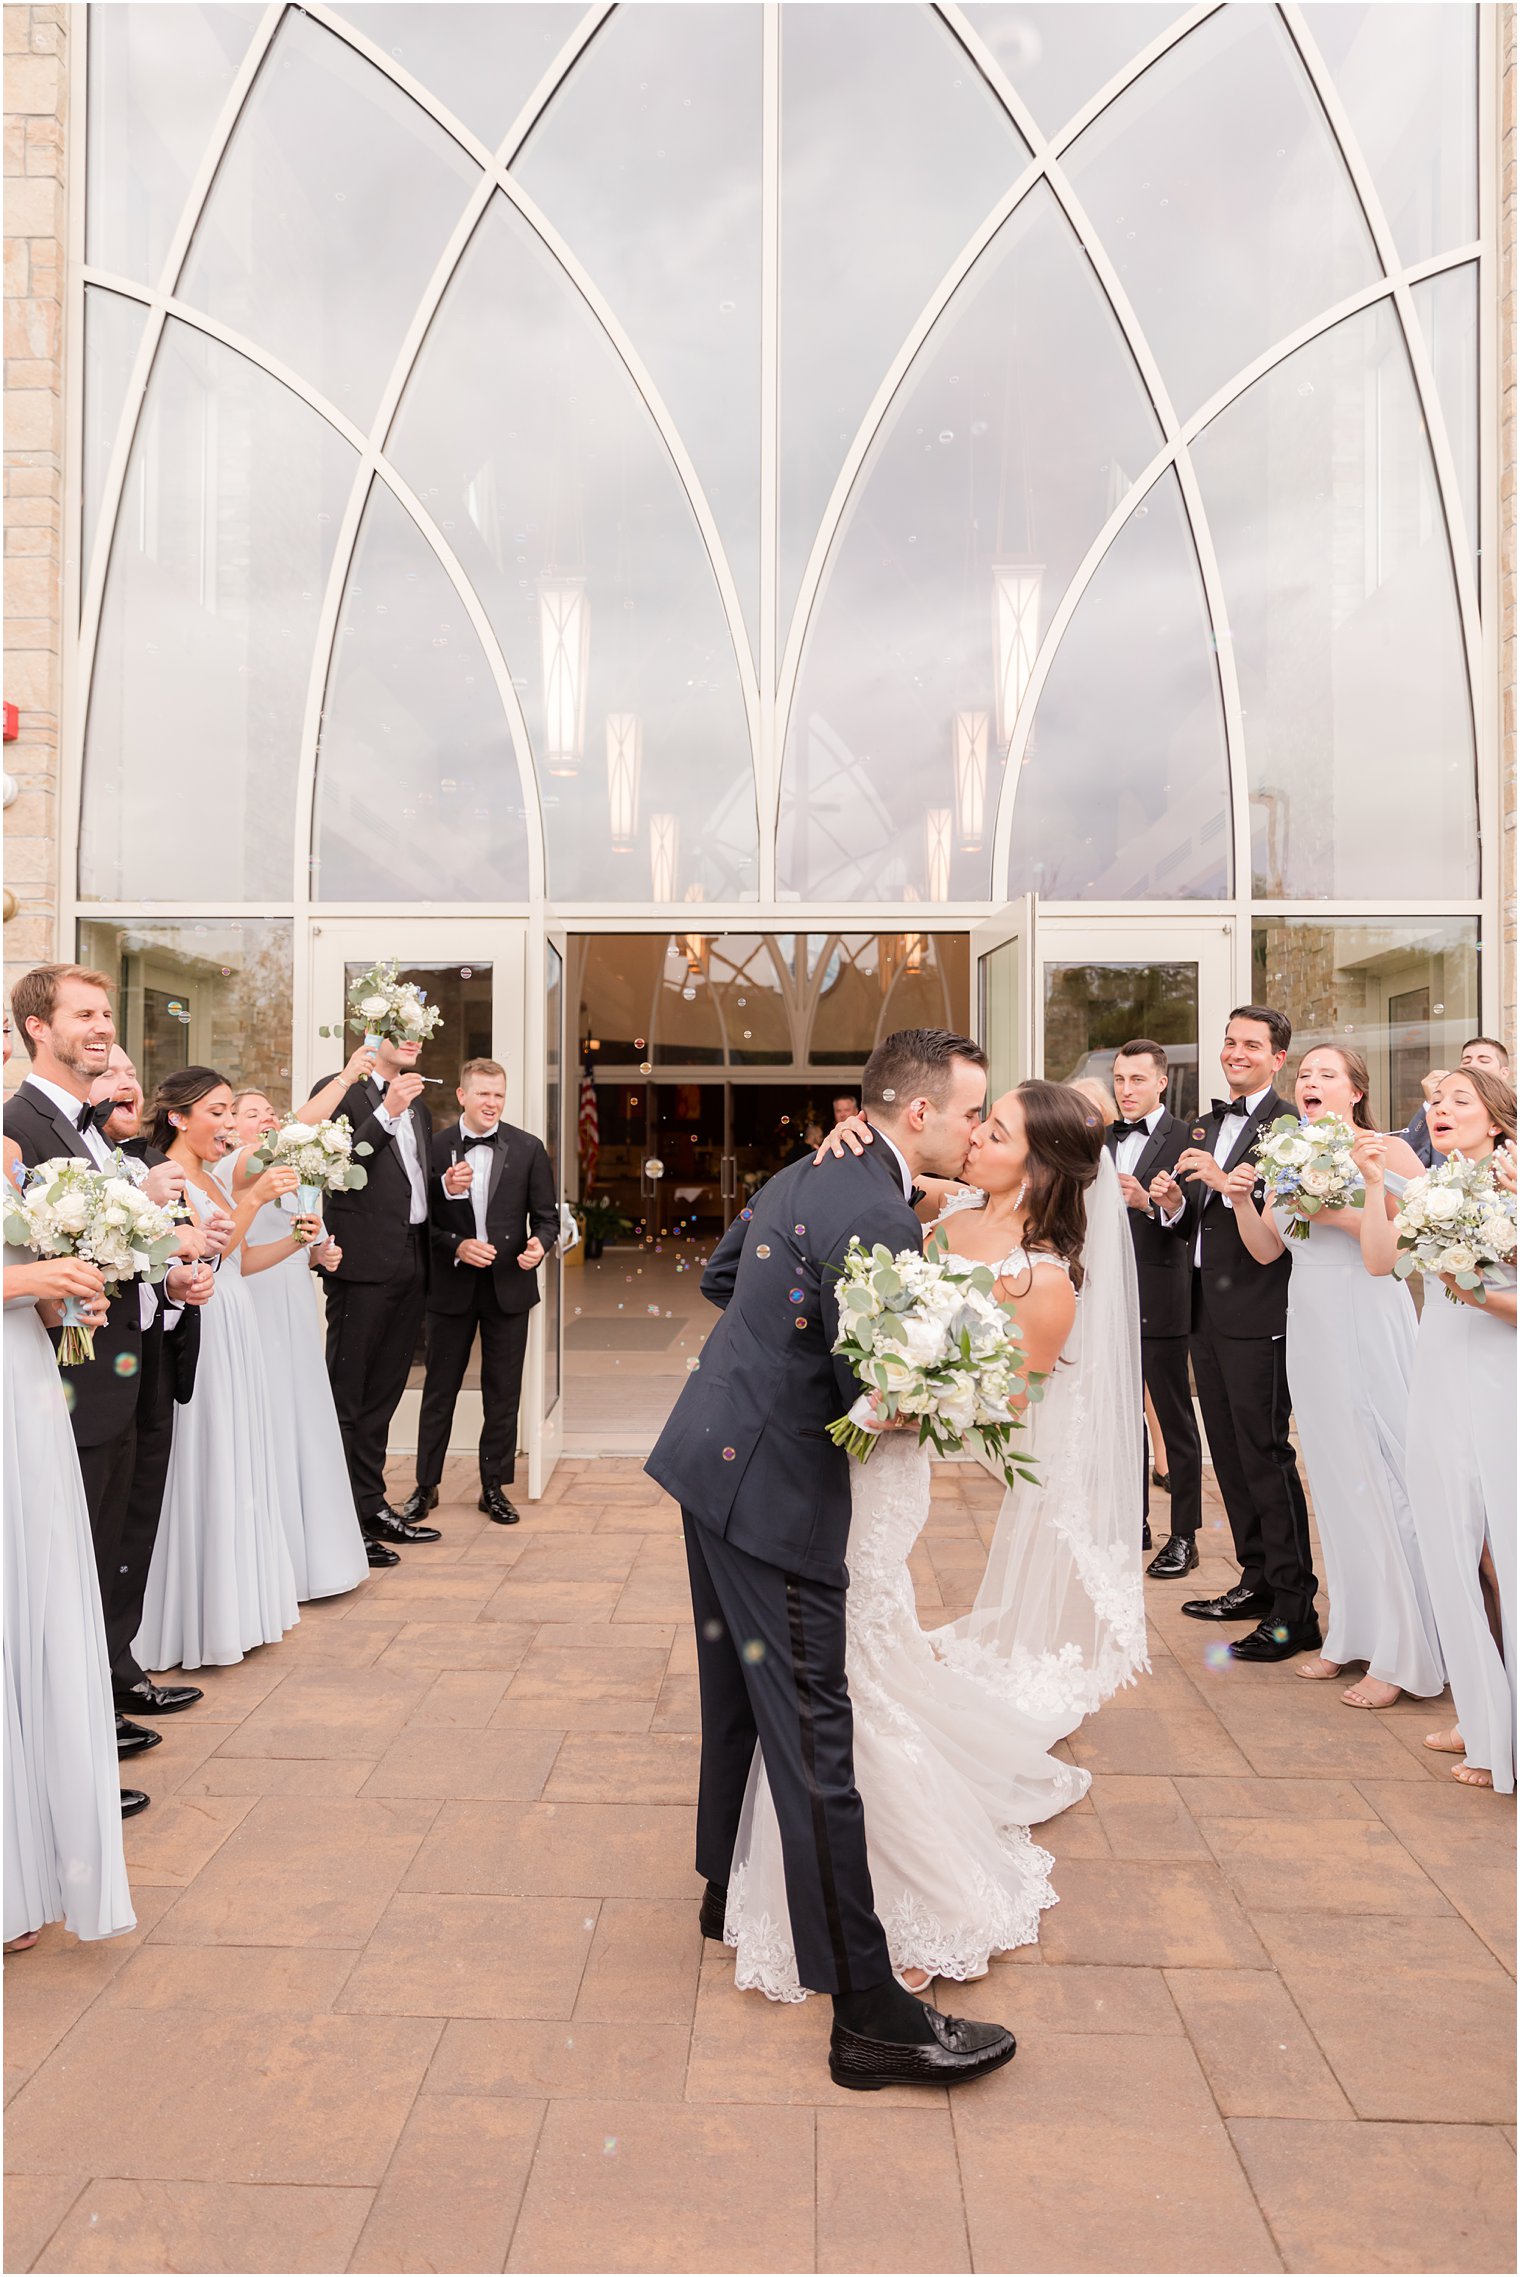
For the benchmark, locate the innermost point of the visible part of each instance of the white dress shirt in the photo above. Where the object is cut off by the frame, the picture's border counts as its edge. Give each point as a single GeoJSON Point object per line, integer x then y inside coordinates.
{"type": "Point", "coordinates": [479, 1158]}
{"type": "Point", "coordinates": [903, 1171]}
{"type": "Point", "coordinates": [1134, 1143]}
{"type": "Point", "coordinates": [1226, 1139]}
{"type": "Point", "coordinates": [103, 1155]}
{"type": "Point", "coordinates": [404, 1131]}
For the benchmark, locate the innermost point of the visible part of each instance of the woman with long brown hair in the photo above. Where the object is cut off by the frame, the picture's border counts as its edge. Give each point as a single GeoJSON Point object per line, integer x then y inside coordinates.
{"type": "Point", "coordinates": [1351, 1346]}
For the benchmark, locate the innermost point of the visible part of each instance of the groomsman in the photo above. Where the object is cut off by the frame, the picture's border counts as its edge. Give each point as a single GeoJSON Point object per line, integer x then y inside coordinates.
{"type": "Point", "coordinates": [1478, 1051]}
{"type": "Point", "coordinates": [377, 1295]}
{"type": "Point", "coordinates": [495, 1219]}
{"type": "Point", "coordinates": [63, 1015]}
{"type": "Point", "coordinates": [1239, 1351]}
{"type": "Point", "coordinates": [1145, 1142]}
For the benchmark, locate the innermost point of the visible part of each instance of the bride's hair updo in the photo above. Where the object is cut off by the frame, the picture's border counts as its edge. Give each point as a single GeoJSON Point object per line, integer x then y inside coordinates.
{"type": "Point", "coordinates": [1064, 1136]}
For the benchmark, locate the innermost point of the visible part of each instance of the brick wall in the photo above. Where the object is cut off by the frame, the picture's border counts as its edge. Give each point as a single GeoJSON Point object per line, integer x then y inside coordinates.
{"type": "Point", "coordinates": [36, 109]}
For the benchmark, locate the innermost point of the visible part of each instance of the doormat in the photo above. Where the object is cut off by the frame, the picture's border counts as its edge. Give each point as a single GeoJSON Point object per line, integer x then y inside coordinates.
{"type": "Point", "coordinates": [637, 1335]}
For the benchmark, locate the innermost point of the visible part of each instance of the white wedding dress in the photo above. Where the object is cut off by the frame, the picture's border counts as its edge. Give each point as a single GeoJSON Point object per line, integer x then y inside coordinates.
{"type": "Point", "coordinates": [954, 1730]}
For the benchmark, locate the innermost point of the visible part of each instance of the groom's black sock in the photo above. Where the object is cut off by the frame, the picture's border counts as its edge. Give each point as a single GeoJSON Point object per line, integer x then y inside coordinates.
{"type": "Point", "coordinates": [885, 2012]}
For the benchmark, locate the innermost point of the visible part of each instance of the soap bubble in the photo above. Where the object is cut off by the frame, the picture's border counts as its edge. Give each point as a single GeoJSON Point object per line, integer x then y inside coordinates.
{"type": "Point", "coordinates": [126, 1363]}
{"type": "Point", "coordinates": [754, 1650]}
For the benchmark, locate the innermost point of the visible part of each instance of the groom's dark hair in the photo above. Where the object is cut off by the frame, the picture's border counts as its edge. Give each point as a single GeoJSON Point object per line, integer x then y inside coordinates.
{"type": "Point", "coordinates": [915, 1064]}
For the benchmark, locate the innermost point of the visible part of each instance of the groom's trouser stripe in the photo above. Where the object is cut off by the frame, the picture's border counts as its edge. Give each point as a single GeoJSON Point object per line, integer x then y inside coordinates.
{"type": "Point", "coordinates": [810, 1774]}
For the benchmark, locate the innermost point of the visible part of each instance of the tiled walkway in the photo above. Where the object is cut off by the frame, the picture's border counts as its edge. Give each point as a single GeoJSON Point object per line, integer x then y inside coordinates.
{"type": "Point", "coordinates": [417, 1982]}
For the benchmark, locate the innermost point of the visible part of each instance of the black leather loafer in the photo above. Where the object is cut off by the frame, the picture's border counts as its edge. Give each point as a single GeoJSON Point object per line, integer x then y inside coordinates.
{"type": "Point", "coordinates": [150, 1699]}
{"type": "Point", "coordinates": [135, 1739]}
{"type": "Point", "coordinates": [379, 1555]}
{"type": "Point", "coordinates": [960, 2050]}
{"type": "Point", "coordinates": [1177, 1555]}
{"type": "Point", "coordinates": [495, 1505]}
{"type": "Point", "coordinates": [1275, 1640]}
{"type": "Point", "coordinates": [1160, 1478]}
{"type": "Point", "coordinates": [418, 1503]}
{"type": "Point", "coordinates": [714, 1912]}
{"type": "Point", "coordinates": [1237, 1604]}
{"type": "Point", "coordinates": [388, 1526]}
{"type": "Point", "coordinates": [133, 1800]}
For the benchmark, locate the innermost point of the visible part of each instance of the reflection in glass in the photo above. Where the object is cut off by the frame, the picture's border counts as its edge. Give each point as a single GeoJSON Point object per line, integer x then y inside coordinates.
{"type": "Point", "coordinates": [750, 980]}
{"type": "Point", "coordinates": [1093, 1010]}
{"type": "Point", "coordinates": [418, 794]}
{"type": "Point", "coordinates": [159, 76]}
{"type": "Point", "coordinates": [874, 983]}
{"type": "Point", "coordinates": [1405, 994]}
{"type": "Point", "coordinates": [648, 164]}
{"type": "Point", "coordinates": [1318, 489]}
{"type": "Point", "coordinates": [327, 217]}
{"type": "Point", "coordinates": [1057, 57]}
{"type": "Point", "coordinates": [113, 330]}
{"type": "Point", "coordinates": [481, 59]}
{"type": "Point", "coordinates": [1124, 793]}
{"type": "Point", "coordinates": [1447, 306]}
{"type": "Point", "coordinates": [1222, 200]}
{"type": "Point", "coordinates": [525, 437]}
{"type": "Point", "coordinates": [1020, 425]}
{"type": "Point", "coordinates": [192, 994]}
{"type": "Point", "coordinates": [223, 544]}
{"type": "Point", "coordinates": [893, 151]}
{"type": "Point", "coordinates": [1408, 77]}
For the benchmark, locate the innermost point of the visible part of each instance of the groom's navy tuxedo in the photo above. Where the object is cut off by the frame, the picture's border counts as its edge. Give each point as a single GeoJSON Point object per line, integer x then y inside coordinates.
{"type": "Point", "coordinates": [765, 1498]}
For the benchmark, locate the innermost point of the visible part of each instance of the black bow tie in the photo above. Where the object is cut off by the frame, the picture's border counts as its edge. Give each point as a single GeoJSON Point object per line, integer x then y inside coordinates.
{"type": "Point", "coordinates": [1230, 1107]}
{"type": "Point", "coordinates": [490, 1138]}
{"type": "Point", "coordinates": [97, 1112]}
{"type": "Point", "coordinates": [1132, 1130]}
{"type": "Point", "coordinates": [915, 1196]}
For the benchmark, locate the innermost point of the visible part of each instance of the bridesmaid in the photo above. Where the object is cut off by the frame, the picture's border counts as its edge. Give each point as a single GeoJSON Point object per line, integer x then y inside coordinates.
{"type": "Point", "coordinates": [1460, 1442]}
{"type": "Point", "coordinates": [1351, 1344]}
{"type": "Point", "coordinates": [326, 1547]}
{"type": "Point", "coordinates": [221, 1580]}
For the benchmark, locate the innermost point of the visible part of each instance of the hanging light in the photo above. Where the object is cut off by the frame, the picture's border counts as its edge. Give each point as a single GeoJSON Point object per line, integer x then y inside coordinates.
{"type": "Point", "coordinates": [664, 848]}
{"type": "Point", "coordinates": [564, 626]}
{"type": "Point", "coordinates": [695, 945]}
{"type": "Point", "coordinates": [625, 762]}
{"type": "Point", "coordinates": [913, 953]}
{"type": "Point", "coordinates": [937, 851]}
{"type": "Point", "coordinates": [1016, 636]}
{"type": "Point", "coordinates": [969, 750]}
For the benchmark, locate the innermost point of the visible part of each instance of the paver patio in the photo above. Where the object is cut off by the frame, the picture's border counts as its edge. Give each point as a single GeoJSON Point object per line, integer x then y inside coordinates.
{"type": "Point", "coordinates": [417, 1985]}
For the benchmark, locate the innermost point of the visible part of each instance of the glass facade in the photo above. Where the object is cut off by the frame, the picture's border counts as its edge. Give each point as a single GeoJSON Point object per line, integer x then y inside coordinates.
{"type": "Point", "coordinates": [781, 461]}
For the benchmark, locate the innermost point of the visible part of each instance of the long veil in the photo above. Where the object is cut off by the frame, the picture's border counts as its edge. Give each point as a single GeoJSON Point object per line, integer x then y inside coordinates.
{"type": "Point", "coordinates": [1059, 1620]}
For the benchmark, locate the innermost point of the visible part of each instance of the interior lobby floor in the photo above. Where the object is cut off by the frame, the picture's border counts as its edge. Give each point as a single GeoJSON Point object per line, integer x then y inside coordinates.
{"type": "Point", "coordinates": [417, 1983]}
{"type": "Point", "coordinates": [634, 1321]}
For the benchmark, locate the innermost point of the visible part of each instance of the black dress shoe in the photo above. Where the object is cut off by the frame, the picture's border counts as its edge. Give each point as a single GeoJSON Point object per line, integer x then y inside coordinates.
{"type": "Point", "coordinates": [714, 1912]}
{"type": "Point", "coordinates": [388, 1526]}
{"type": "Point", "coordinates": [960, 2050]}
{"type": "Point", "coordinates": [418, 1503]}
{"type": "Point", "coordinates": [379, 1555]}
{"type": "Point", "coordinates": [135, 1739]}
{"type": "Point", "coordinates": [133, 1800]}
{"type": "Point", "coordinates": [495, 1505]}
{"type": "Point", "coordinates": [1237, 1604]}
{"type": "Point", "coordinates": [1163, 1480]}
{"type": "Point", "coordinates": [1145, 1535]}
{"type": "Point", "coordinates": [150, 1699]}
{"type": "Point", "coordinates": [1277, 1640]}
{"type": "Point", "coordinates": [1177, 1555]}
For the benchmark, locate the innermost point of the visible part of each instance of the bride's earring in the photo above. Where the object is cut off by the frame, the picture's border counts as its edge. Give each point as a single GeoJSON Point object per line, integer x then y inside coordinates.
{"type": "Point", "coordinates": [178, 1121]}
{"type": "Point", "coordinates": [1018, 1199]}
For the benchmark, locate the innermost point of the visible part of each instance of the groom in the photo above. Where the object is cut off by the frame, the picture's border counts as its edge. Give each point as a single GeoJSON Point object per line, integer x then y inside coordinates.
{"type": "Point", "coordinates": [765, 1502]}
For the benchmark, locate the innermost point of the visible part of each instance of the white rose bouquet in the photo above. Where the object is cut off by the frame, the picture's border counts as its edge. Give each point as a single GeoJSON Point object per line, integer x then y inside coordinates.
{"type": "Point", "coordinates": [384, 1008]}
{"type": "Point", "coordinates": [68, 1208]}
{"type": "Point", "coordinates": [1307, 1168]}
{"type": "Point", "coordinates": [1457, 1219]}
{"type": "Point", "coordinates": [929, 1340]}
{"type": "Point", "coordinates": [322, 1157]}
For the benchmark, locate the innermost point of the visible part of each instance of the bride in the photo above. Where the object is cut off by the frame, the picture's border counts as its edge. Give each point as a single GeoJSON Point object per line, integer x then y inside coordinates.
{"type": "Point", "coordinates": [954, 1729]}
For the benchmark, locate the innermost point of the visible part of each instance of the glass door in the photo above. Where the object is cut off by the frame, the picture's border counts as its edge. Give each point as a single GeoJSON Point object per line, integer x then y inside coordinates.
{"type": "Point", "coordinates": [1002, 997]}
{"type": "Point", "coordinates": [543, 1424]}
{"type": "Point", "coordinates": [1106, 981]}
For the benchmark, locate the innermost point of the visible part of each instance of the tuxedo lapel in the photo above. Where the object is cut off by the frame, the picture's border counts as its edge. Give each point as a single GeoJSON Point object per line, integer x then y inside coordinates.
{"type": "Point", "coordinates": [1266, 1110]}
{"type": "Point", "coordinates": [68, 1131]}
{"type": "Point", "coordinates": [499, 1153]}
{"type": "Point", "coordinates": [1150, 1153]}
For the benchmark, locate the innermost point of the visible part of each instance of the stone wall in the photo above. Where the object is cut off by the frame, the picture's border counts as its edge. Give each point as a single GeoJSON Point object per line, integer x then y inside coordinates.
{"type": "Point", "coordinates": [36, 114]}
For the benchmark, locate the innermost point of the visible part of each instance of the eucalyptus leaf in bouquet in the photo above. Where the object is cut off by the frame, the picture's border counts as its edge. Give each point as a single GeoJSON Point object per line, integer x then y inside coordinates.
{"type": "Point", "coordinates": [384, 1008]}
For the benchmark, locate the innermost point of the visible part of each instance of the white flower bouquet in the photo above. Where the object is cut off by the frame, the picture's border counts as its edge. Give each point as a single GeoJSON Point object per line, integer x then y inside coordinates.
{"type": "Point", "coordinates": [68, 1208]}
{"type": "Point", "coordinates": [1457, 1219]}
{"type": "Point", "coordinates": [322, 1157]}
{"type": "Point", "coordinates": [1307, 1168]}
{"type": "Point", "coordinates": [928, 1338]}
{"type": "Point", "coordinates": [384, 1008]}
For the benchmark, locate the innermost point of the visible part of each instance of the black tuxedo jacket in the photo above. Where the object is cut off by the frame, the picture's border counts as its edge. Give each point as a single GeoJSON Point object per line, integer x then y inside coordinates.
{"type": "Point", "coordinates": [520, 1202]}
{"type": "Point", "coordinates": [746, 1450]}
{"type": "Point", "coordinates": [1162, 1264]}
{"type": "Point", "coordinates": [1242, 1298]}
{"type": "Point", "coordinates": [373, 1226]}
{"type": "Point", "coordinates": [106, 1395]}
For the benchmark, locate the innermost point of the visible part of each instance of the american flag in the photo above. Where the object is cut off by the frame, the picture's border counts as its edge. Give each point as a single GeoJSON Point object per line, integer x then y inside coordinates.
{"type": "Point", "coordinates": [590, 1129]}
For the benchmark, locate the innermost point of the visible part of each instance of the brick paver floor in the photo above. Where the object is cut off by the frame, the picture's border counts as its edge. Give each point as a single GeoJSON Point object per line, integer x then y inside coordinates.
{"type": "Point", "coordinates": [417, 1984]}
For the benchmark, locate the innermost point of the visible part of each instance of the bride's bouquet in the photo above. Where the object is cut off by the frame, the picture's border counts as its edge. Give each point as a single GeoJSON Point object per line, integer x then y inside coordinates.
{"type": "Point", "coordinates": [322, 1157]}
{"type": "Point", "coordinates": [384, 1008]}
{"type": "Point", "coordinates": [1307, 1168]}
{"type": "Point", "coordinates": [929, 1339]}
{"type": "Point", "coordinates": [1457, 1219]}
{"type": "Point", "coordinates": [68, 1208]}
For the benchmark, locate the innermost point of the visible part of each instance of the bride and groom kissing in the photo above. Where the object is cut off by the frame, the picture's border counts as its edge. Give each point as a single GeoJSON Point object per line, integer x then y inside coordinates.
{"type": "Point", "coordinates": [866, 1790]}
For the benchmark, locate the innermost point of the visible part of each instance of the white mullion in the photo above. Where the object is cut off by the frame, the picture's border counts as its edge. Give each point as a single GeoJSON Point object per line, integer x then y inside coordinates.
{"type": "Point", "coordinates": [72, 692]}
{"type": "Point", "coordinates": [772, 716]}
{"type": "Point", "coordinates": [1500, 841]}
